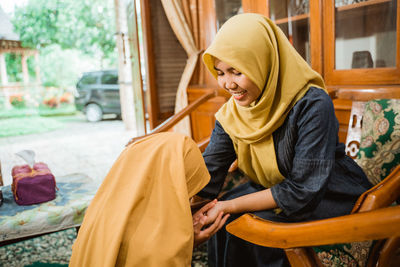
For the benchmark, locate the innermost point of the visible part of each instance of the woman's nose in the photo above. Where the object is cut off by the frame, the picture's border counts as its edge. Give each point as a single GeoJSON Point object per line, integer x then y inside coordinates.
{"type": "Point", "coordinates": [230, 84]}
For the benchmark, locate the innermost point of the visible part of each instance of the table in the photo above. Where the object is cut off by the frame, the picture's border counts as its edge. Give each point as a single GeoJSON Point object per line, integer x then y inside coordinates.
{"type": "Point", "coordinates": [74, 195]}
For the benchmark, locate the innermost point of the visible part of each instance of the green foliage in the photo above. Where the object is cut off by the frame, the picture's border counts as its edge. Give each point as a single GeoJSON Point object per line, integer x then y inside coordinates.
{"type": "Point", "coordinates": [88, 26]}
{"type": "Point", "coordinates": [72, 37]}
{"type": "Point", "coordinates": [62, 68]}
{"type": "Point", "coordinates": [31, 62]}
{"type": "Point", "coordinates": [14, 67]}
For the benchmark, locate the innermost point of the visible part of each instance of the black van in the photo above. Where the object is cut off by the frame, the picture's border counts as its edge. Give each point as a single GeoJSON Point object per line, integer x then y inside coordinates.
{"type": "Point", "coordinates": [98, 94]}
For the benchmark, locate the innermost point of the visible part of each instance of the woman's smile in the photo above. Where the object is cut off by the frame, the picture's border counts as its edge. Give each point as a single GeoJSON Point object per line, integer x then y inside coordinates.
{"type": "Point", "coordinates": [243, 90]}
{"type": "Point", "coordinates": [238, 95]}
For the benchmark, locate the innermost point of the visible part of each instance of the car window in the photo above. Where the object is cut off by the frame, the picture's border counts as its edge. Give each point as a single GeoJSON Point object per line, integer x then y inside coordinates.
{"type": "Point", "coordinates": [88, 79]}
{"type": "Point", "coordinates": [109, 78]}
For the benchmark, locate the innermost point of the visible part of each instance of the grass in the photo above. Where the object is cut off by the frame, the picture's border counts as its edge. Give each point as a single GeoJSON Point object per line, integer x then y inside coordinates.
{"type": "Point", "coordinates": [61, 110]}
{"type": "Point", "coordinates": [18, 112]}
{"type": "Point", "coordinates": [29, 120]}
{"type": "Point", "coordinates": [28, 125]}
{"type": "Point", "coordinates": [41, 111]}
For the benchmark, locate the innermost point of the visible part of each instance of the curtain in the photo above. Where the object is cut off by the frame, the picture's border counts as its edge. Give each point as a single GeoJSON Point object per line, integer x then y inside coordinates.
{"type": "Point", "coordinates": [182, 16]}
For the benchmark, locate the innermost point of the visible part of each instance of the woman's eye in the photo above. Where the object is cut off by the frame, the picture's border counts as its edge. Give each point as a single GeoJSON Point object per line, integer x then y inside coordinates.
{"type": "Point", "coordinates": [237, 73]}
{"type": "Point", "coordinates": [219, 73]}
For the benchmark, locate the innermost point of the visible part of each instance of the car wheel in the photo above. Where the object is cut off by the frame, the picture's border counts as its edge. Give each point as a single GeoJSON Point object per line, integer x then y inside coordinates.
{"type": "Point", "coordinates": [93, 112]}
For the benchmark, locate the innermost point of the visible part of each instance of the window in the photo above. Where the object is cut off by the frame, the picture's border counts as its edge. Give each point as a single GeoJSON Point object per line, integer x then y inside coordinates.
{"type": "Point", "coordinates": [109, 78]}
{"type": "Point", "coordinates": [88, 79]}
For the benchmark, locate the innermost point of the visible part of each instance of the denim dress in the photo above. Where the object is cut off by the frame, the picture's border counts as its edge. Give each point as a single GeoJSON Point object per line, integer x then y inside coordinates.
{"type": "Point", "coordinates": [321, 181]}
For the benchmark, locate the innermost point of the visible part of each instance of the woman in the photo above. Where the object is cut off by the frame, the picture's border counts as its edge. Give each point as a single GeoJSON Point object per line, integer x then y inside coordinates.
{"type": "Point", "coordinates": [280, 124]}
{"type": "Point", "coordinates": [141, 215]}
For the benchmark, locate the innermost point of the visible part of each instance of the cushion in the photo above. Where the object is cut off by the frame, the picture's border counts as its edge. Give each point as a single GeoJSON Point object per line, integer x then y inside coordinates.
{"type": "Point", "coordinates": [380, 139]}
{"type": "Point", "coordinates": [349, 255]}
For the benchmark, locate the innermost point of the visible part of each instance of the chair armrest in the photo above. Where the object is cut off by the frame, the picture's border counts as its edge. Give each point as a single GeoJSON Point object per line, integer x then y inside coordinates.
{"type": "Point", "coordinates": [381, 195]}
{"type": "Point", "coordinates": [371, 225]}
{"type": "Point", "coordinates": [173, 120]}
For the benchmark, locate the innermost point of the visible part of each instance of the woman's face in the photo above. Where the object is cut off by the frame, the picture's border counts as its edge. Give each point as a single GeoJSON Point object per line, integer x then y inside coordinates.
{"type": "Point", "coordinates": [243, 90]}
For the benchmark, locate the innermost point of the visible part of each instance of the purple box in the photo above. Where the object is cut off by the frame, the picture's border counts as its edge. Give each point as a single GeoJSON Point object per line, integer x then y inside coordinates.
{"type": "Point", "coordinates": [33, 185]}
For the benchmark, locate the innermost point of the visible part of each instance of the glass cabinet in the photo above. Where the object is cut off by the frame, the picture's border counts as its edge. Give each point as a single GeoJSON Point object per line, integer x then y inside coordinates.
{"type": "Point", "coordinates": [293, 17]}
{"type": "Point", "coordinates": [300, 20]}
{"type": "Point", "coordinates": [350, 42]}
{"type": "Point", "coordinates": [225, 9]}
{"type": "Point", "coordinates": [361, 40]}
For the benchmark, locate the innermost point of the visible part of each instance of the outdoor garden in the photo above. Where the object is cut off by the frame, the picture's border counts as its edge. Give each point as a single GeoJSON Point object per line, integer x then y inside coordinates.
{"type": "Point", "coordinates": [68, 38]}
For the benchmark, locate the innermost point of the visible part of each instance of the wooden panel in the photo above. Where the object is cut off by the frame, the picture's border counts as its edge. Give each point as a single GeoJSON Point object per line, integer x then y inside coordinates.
{"type": "Point", "coordinates": [151, 98]}
{"type": "Point", "coordinates": [342, 111]}
{"type": "Point", "coordinates": [208, 29]}
{"type": "Point", "coordinates": [203, 118]}
{"type": "Point", "coordinates": [316, 35]}
{"type": "Point", "coordinates": [255, 6]}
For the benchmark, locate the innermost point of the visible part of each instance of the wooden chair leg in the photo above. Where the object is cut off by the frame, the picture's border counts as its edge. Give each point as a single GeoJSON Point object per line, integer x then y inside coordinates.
{"type": "Point", "coordinates": [390, 253]}
{"type": "Point", "coordinates": [302, 257]}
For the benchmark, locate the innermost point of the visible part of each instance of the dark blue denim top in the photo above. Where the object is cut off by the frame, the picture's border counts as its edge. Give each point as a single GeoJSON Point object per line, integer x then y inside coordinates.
{"type": "Point", "coordinates": [308, 154]}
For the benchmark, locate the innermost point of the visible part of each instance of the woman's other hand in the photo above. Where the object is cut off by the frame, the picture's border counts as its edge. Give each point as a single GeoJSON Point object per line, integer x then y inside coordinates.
{"type": "Point", "coordinates": [200, 219]}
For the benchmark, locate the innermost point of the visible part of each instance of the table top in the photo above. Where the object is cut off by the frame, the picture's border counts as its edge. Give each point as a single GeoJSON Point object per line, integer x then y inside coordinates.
{"type": "Point", "coordinates": [74, 194]}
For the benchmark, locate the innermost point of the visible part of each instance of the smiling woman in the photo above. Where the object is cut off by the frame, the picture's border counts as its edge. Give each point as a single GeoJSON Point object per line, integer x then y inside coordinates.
{"type": "Point", "coordinates": [281, 127]}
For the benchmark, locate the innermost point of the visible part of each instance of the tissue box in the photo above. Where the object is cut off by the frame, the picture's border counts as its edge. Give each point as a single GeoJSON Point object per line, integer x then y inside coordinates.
{"type": "Point", "coordinates": [33, 185]}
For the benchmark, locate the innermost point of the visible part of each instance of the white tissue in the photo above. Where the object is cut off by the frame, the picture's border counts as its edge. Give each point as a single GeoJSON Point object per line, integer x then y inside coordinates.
{"type": "Point", "coordinates": [28, 156]}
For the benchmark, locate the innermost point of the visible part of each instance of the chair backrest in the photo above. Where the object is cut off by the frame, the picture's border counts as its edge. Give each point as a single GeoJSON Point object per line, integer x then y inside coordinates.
{"type": "Point", "coordinates": [369, 132]}
{"type": "Point", "coordinates": [373, 140]}
{"type": "Point", "coordinates": [375, 126]}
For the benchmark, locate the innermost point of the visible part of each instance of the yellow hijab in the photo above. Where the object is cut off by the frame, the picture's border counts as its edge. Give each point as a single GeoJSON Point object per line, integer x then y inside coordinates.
{"type": "Point", "coordinates": [255, 46]}
{"type": "Point", "coordinates": [141, 215]}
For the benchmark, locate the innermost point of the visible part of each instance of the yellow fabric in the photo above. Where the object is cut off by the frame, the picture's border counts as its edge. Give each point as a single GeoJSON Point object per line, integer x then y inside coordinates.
{"type": "Point", "coordinates": [141, 214]}
{"type": "Point", "coordinates": [256, 47]}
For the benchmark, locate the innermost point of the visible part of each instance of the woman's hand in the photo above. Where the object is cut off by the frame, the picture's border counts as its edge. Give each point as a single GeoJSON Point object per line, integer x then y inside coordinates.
{"type": "Point", "coordinates": [200, 219]}
{"type": "Point", "coordinates": [215, 210]}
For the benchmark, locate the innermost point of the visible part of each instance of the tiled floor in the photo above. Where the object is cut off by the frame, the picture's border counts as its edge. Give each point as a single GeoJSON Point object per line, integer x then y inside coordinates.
{"type": "Point", "coordinates": [80, 146]}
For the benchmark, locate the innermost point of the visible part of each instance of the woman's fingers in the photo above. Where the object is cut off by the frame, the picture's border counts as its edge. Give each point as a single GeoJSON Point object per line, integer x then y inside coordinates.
{"type": "Point", "coordinates": [218, 223]}
{"type": "Point", "coordinates": [201, 236]}
{"type": "Point", "coordinates": [198, 224]}
{"type": "Point", "coordinates": [201, 212]}
{"type": "Point", "coordinates": [208, 206]}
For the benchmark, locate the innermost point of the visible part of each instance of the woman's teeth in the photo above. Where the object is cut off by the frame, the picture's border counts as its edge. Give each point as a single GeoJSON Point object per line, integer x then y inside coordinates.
{"type": "Point", "coordinates": [239, 93]}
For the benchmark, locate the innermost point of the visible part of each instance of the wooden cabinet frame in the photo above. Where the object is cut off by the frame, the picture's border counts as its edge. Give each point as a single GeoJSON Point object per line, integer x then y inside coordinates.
{"type": "Point", "coordinates": [364, 76]}
{"type": "Point", "coordinates": [315, 22]}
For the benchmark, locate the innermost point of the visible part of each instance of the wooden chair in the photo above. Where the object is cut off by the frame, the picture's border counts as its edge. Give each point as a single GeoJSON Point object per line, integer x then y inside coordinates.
{"type": "Point", "coordinates": [371, 219]}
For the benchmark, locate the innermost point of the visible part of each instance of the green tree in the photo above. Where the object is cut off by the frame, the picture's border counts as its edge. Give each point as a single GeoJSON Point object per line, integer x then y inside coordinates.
{"type": "Point", "coordinates": [86, 25]}
{"type": "Point", "coordinates": [71, 36]}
